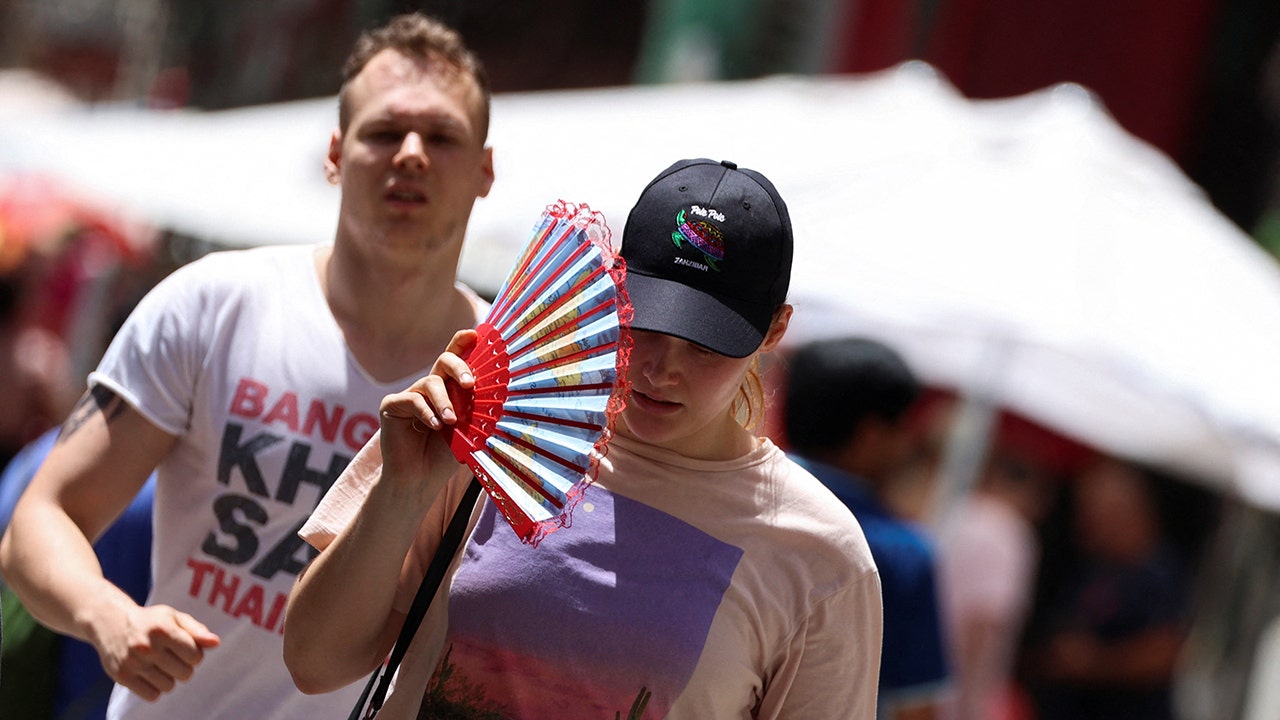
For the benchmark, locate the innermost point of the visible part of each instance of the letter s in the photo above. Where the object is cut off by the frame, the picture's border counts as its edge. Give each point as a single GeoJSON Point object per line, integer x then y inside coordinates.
{"type": "Point", "coordinates": [243, 541]}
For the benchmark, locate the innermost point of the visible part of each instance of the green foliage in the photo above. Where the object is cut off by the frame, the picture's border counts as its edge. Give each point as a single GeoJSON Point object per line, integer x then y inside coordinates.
{"type": "Point", "coordinates": [27, 663]}
{"type": "Point", "coordinates": [449, 696]}
{"type": "Point", "coordinates": [452, 697]}
{"type": "Point", "coordinates": [637, 706]}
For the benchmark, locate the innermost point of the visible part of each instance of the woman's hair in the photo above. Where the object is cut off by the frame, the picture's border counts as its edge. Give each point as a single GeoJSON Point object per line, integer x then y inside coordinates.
{"type": "Point", "coordinates": [749, 404]}
{"type": "Point", "coordinates": [418, 36]}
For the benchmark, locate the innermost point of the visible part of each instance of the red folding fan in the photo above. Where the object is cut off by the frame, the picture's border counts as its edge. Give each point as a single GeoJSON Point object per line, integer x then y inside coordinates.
{"type": "Point", "coordinates": [549, 366]}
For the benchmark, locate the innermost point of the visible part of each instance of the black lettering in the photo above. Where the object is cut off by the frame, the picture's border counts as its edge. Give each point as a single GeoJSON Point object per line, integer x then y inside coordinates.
{"type": "Point", "coordinates": [234, 455]}
{"type": "Point", "coordinates": [297, 472]}
{"type": "Point", "coordinates": [284, 556]}
{"type": "Point", "coordinates": [242, 541]}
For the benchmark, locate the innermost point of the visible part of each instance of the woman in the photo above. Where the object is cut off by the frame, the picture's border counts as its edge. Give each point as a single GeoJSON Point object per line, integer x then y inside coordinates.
{"type": "Point", "coordinates": [704, 576]}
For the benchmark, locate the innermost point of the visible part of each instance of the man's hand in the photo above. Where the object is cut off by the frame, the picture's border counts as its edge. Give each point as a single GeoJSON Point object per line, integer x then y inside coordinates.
{"type": "Point", "coordinates": [154, 649]}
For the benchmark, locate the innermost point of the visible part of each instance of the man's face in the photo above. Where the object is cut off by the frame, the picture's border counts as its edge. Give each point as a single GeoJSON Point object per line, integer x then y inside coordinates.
{"type": "Point", "coordinates": [411, 161]}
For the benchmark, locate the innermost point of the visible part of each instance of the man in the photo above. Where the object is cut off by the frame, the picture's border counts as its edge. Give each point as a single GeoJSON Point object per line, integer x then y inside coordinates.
{"type": "Point", "coordinates": [248, 380]}
{"type": "Point", "coordinates": [1115, 629]}
{"type": "Point", "coordinates": [845, 416]}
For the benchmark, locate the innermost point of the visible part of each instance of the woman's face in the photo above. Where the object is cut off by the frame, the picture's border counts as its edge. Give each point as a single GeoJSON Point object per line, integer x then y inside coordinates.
{"type": "Point", "coordinates": [682, 395]}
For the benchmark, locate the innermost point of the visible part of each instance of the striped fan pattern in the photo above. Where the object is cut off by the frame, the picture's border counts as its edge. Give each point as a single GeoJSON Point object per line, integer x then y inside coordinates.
{"type": "Point", "coordinates": [549, 366]}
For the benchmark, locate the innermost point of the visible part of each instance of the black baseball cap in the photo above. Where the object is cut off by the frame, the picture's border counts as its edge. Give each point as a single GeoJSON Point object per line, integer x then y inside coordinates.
{"type": "Point", "coordinates": [708, 250]}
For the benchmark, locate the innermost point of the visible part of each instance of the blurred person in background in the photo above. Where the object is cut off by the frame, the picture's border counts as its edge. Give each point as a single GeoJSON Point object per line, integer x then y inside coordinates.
{"type": "Point", "coordinates": [846, 420]}
{"type": "Point", "coordinates": [989, 552]}
{"type": "Point", "coordinates": [68, 266]}
{"type": "Point", "coordinates": [1116, 627]}
{"type": "Point", "coordinates": [247, 380]}
{"type": "Point", "coordinates": [35, 367]}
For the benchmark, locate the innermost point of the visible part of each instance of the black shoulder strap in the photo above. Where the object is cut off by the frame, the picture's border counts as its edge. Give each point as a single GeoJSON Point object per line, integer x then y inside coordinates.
{"type": "Point", "coordinates": [381, 678]}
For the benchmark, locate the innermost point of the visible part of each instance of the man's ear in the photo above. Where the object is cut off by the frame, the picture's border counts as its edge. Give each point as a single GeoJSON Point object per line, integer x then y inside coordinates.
{"type": "Point", "coordinates": [333, 160]}
{"type": "Point", "coordinates": [486, 170]}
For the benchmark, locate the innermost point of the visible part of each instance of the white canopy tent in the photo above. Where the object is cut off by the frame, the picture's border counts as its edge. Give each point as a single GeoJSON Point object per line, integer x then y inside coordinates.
{"type": "Point", "coordinates": [1026, 250]}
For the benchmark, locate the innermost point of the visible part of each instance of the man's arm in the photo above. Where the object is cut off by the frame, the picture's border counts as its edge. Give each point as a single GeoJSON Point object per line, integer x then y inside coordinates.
{"type": "Point", "coordinates": [1147, 658]}
{"type": "Point", "coordinates": [100, 461]}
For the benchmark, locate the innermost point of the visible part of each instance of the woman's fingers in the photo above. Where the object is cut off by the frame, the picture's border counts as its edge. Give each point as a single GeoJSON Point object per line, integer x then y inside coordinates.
{"type": "Point", "coordinates": [462, 341]}
{"type": "Point", "coordinates": [409, 406]}
{"type": "Point", "coordinates": [431, 399]}
{"type": "Point", "coordinates": [428, 403]}
{"type": "Point", "coordinates": [431, 403]}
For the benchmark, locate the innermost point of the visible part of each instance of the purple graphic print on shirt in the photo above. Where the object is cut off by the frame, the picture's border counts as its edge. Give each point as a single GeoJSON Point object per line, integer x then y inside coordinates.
{"type": "Point", "coordinates": [618, 604]}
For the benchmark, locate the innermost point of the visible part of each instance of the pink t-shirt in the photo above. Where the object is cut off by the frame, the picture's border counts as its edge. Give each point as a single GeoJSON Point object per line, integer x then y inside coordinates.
{"type": "Point", "coordinates": [987, 561]}
{"type": "Point", "coordinates": [701, 589]}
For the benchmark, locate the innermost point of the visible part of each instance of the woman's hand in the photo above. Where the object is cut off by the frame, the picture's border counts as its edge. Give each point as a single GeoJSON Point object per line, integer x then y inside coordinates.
{"type": "Point", "coordinates": [411, 419]}
{"type": "Point", "coordinates": [341, 618]}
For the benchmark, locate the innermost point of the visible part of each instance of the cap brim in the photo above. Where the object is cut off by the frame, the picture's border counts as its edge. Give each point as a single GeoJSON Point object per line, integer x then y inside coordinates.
{"type": "Point", "coordinates": [672, 308]}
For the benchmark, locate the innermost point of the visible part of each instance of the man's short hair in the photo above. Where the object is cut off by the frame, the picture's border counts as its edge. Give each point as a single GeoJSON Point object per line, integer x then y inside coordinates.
{"type": "Point", "coordinates": [418, 36]}
{"type": "Point", "coordinates": [834, 385]}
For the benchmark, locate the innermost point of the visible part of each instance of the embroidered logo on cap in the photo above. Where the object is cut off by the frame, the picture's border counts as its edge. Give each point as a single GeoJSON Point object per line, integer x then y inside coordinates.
{"type": "Point", "coordinates": [700, 234]}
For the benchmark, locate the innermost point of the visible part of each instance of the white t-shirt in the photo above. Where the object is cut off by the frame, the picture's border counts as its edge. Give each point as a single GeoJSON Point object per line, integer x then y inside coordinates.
{"type": "Point", "coordinates": [238, 355]}
{"type": "Point", "coordinates": [733, 589]}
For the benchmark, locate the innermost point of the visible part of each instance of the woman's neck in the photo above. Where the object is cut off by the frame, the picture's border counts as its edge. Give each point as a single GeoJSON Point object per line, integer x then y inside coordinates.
{"type": "Point", "coordinates": [726, 440]}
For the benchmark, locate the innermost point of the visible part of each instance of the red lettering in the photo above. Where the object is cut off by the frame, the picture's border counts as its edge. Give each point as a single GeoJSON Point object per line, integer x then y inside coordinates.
{"type": "Point", "coordinates": [329, 424]}
{"type": "Point", "coordinates": [197, 580]}
{"type": "Point", "coordinates": [223, 588]}
{"type": "Point", "coordinates": [359, 429]}
{"type": "Point", "coordinates": [249, 399]}
{"type": "Point", "coordinates": [329, 421]}
{"type": "Point", "coordinates": [286, 410]}
{"type": "Point", "coordinates": [250, 604]}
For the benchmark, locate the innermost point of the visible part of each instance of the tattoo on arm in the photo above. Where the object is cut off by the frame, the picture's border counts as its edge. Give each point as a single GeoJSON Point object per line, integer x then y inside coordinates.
{"type": "Point", "coordinates": [97, 399]}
